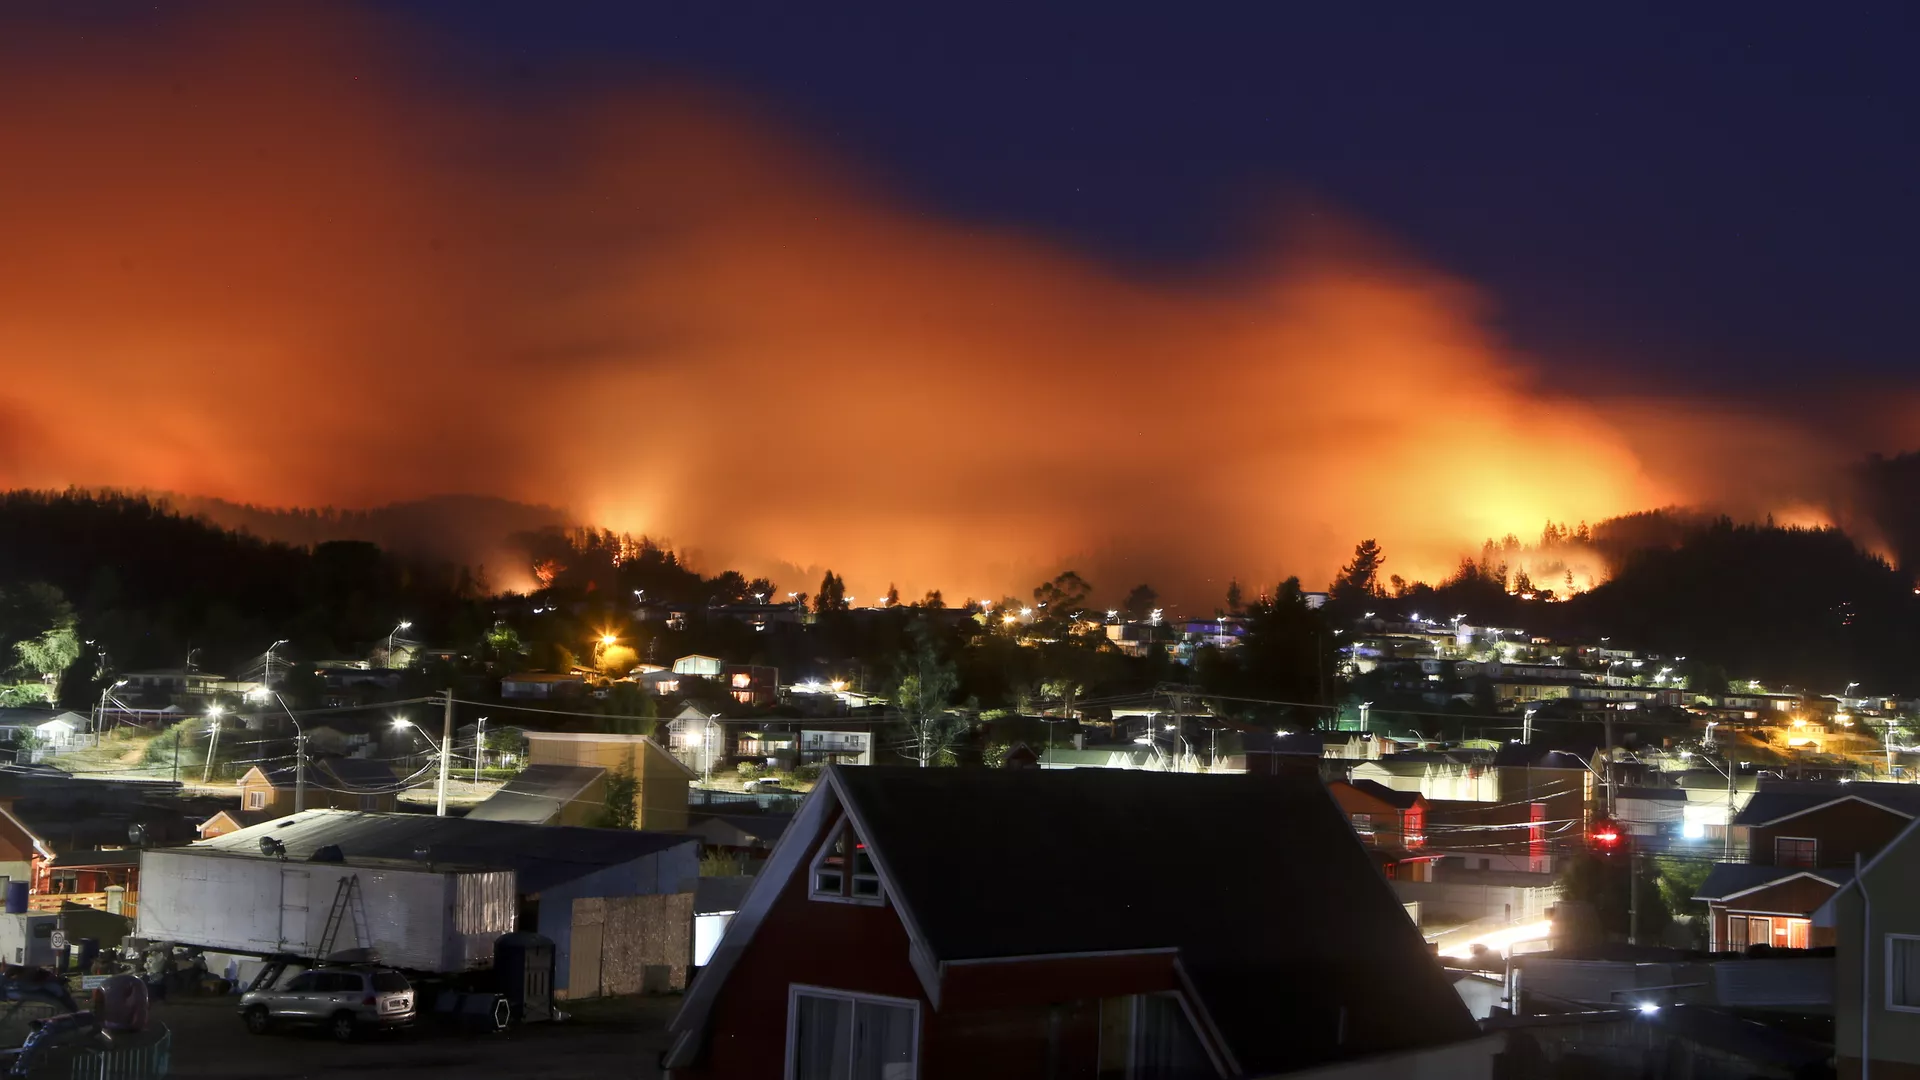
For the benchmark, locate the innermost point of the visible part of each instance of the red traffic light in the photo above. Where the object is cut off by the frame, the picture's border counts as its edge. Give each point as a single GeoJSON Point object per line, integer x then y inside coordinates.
{"type": "Point", "coordinates": [1605, 836]}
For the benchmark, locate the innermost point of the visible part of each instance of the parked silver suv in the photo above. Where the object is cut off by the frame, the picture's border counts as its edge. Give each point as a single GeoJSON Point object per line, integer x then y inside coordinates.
{"type": "Point", "coordinates": [347, 1001]}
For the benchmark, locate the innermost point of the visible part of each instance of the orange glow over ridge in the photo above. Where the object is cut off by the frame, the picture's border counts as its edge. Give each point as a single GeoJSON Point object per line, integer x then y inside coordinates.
{"type": "Point", "coordinates": [250, 264]}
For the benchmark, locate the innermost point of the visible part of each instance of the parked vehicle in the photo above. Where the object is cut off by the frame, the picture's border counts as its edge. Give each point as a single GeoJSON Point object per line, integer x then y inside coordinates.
{"type": "Point", "coordinates": [347, 1001]}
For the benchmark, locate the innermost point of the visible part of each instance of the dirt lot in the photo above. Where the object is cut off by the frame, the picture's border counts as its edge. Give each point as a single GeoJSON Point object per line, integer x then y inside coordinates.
{"type": "Point", "coordinates": [620, 1038]}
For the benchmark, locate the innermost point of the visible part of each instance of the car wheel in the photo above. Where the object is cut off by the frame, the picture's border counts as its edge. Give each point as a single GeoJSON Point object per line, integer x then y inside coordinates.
{"type": "Point", "coordinates": [258, 1021]}
{"type": "Point", "coordinates": [343, 1027]}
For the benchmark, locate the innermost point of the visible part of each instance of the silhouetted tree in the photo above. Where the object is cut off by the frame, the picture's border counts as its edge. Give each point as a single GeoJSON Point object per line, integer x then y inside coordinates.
{"type": "Point", "coordinates": [1360, 578]}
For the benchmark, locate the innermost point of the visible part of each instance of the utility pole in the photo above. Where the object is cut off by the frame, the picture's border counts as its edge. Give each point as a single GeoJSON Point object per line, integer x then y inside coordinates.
{"type": "Point", "coordinates": [213, 747]}
{"type": "Point", "coordinates": [299, 770]}
{"type": "Point", "coordinates": [446, 751]}
{"type": "Point", "coordinates": [1608, 751]}
{"type": "Point", "coordinates": [176, 751]}
{"type": "Point", "coordinates": [479, 743]}
{"type": "Point", "coordinates": [1633, 893]}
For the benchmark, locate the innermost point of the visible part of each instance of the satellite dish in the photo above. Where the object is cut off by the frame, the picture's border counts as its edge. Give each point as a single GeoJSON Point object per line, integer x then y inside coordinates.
{"type": "Point", "coordinates": [270, 847]}
{"type": "Point", "coordinates": [137, 834]}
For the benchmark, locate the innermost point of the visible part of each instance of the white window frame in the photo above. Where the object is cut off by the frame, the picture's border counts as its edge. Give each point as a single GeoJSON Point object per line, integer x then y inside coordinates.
{"type": "Point", "coordinates": [259, 795]}
{"type": "Point", "coordinates": [794, 992]}
{"type": "Point", "coordinates": [1886, 973]}
{"type": "Point", "coordinates": [820, 856]}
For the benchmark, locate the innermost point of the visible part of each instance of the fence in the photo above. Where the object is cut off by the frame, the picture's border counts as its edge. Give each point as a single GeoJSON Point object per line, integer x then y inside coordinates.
{"type": "Point", "coordinates": [145, 1056]}
{"type": "Point", "coordinates": [741, 800]}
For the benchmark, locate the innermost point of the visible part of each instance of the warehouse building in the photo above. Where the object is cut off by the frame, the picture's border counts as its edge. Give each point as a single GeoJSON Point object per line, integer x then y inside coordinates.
{"type": "Point", "coordinates": [618, 904]}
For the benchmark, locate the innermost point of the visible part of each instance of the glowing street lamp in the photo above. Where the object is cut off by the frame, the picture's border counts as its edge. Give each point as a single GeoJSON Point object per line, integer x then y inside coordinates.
{"type": "Point", "coordinates": [401, 625]}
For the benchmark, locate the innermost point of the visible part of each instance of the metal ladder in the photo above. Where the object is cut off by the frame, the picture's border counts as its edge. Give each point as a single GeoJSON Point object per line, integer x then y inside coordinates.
{"type": "Point", "coordinates": [343, 909]}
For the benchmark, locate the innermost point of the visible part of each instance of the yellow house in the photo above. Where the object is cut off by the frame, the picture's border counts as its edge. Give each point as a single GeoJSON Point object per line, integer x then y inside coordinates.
{"type": "Point", "coordinates": [332, 784]}
{"type": "Point", "coordinates": [661, 798]}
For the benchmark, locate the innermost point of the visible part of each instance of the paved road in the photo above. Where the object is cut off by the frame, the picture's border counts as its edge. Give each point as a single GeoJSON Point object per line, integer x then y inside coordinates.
{"type": "Point", "coordinates": [209, 1043]}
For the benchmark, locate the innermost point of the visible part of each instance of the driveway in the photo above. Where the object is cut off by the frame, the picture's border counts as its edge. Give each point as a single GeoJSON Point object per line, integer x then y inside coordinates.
{"type": "Point", "coordinates": [618, 1038]}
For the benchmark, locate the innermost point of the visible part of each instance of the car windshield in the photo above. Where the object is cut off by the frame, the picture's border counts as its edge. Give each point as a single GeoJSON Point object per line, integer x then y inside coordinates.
{"type": "Point", "coordinates": [388, 981]}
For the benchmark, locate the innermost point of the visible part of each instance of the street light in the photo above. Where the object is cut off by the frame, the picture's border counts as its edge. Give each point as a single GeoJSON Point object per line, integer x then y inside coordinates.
{"type": "Point", "coordinates": [267, 679]}
{"type": "Point", "coordinates": [401, 723]}
{"type": "Point", "coordinates": [402, 625]}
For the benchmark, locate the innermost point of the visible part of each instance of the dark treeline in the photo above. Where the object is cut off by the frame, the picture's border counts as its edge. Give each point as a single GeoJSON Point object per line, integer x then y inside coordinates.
{"type": "Point", "coordinates": [1784, 605]}
{"type": "Point", "coordinates": [145, 587]}
{"type": "Point", "coordinates": [149, 586]}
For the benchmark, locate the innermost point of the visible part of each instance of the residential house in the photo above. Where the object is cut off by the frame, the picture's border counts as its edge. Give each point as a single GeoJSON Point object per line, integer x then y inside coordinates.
{"type": "Point", "coordinates": [49, 731]}
{"type": "Point", "coordinates": [232, 821]}
{"type": "Point", "coordinates": [1392, 824]}
{"type": "Point", "coordinates": [332, 782]}
{"type": "Point", "coordinates": [538, 686]}
{"type": "Point", "coordinates": [697, 738]}
{"type": "Point", "coordinates": [752, 684]}
{"type": "Point", "coordinates": [617, 904]}
{"type": "Point", "coordinates": [845, 743]}
{"type": "Point", "coordinates": [660, 795]}
{"type": "Point", "coordinates": [1654, 816]}
{"type": "Point", "coordinates": [894, 932]}
{"type": "Point", "coordinates": [776, 745]}
{"type": "Point", "coordinates": [699, 666]}
{"type": "Point", "coordinates": [1802, 841]}
{"type": "Point", "coordinates": [661, 682]}
{"type": "Point", "coordinates": [1875, 919]}
{"type": "Point", "coordinates": [168, 686]}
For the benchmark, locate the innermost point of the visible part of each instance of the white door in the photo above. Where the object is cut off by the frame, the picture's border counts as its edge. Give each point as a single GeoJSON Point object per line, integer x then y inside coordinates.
{"type": "Point", "coordinates": [293, 911]}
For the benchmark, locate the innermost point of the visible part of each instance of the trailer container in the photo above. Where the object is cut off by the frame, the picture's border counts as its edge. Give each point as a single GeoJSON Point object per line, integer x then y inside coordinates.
{"type": "Point", "coordinates": [419, 916]}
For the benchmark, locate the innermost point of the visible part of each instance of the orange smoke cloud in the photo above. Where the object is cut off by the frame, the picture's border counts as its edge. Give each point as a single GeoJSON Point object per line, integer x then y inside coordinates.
{"type": "Point", "coordinates": [253, 263]}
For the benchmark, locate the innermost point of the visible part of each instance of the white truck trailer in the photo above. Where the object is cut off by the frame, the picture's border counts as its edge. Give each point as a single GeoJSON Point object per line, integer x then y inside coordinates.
{"type": "Point", "coordinates": [417, 916]}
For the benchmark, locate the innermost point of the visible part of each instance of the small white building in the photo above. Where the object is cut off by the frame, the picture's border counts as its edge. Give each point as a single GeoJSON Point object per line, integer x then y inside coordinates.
{"type": "Point", "coordinates": [705, 667]}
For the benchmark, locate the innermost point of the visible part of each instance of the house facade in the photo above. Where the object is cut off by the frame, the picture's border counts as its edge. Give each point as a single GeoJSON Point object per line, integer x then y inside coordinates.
{"type": "Point", "coordinates": [660, 795]}
{"type": "Point", "coordinates": [1392, 824]}
{"type": "Point", "coordinates": [1803, 840]}
{"type": "Point", "coordinates": [537, 686]}
{"type": "Point", "coordinates": [1876, 927]}
{"type": "Point", "coordinates": [332, 783]}
{"type": "Point", "coordinates": [866, 947]}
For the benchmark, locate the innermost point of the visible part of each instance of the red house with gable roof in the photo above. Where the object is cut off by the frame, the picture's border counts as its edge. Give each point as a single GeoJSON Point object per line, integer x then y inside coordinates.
{"type": "Point", "coordinates": [930, 923]}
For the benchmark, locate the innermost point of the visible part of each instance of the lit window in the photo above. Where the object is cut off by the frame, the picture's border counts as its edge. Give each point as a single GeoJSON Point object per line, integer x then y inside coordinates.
{"type": "Point", "coordinates": [1796, 851]}
{"type": "Point", "coordinates": [844, 870]}
{"type": "Point", "coordinates": [742, 680]}
{"type": "Point", "coordinates": [256, 800]}
{"type": "Point", "coordinates": [1903, 972]}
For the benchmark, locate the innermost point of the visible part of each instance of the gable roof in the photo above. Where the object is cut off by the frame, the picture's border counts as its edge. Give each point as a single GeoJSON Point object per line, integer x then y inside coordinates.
{"type": "Point", "coordinates": [1728, 881]}
{"type": "Point", "coordinates": [1403, 800]}
{"type": "Point", "coordinates": [1323, 964]}
{"type": "Point", "coordinates": [538, 794]}
{"type": "Point", "coordinates": [1775, 802]}
{"type": "Point", "coordinates": [541, 855]}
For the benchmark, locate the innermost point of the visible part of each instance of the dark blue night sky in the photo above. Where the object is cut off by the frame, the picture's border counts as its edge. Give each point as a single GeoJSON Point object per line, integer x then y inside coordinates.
{"type": "Point", "coordinates": [1698, 191]}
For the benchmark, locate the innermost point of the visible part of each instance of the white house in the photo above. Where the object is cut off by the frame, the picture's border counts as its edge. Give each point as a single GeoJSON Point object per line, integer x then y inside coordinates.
{"type": "Point", "coordinates": [706, 667]}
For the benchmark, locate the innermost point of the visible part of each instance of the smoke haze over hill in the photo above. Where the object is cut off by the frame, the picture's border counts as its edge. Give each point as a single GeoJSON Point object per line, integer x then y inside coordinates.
{"type": "Point", "coordinates": [247, 266]}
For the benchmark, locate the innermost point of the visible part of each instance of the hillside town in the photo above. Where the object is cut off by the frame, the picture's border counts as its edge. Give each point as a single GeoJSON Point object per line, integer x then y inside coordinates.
{"type": "Point", "coordinates": [1562, 849]}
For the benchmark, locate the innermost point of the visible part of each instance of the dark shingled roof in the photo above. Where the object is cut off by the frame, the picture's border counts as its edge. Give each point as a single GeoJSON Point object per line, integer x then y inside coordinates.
{"type": "Point", "coordinates": [1402, 799]}
{"type": "Point", "coordinates": [1728, 879]}
{"type": "Point", "coordinates": [1778, 799]}
{"type": "Point", "coordinates": [1297, 946]}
